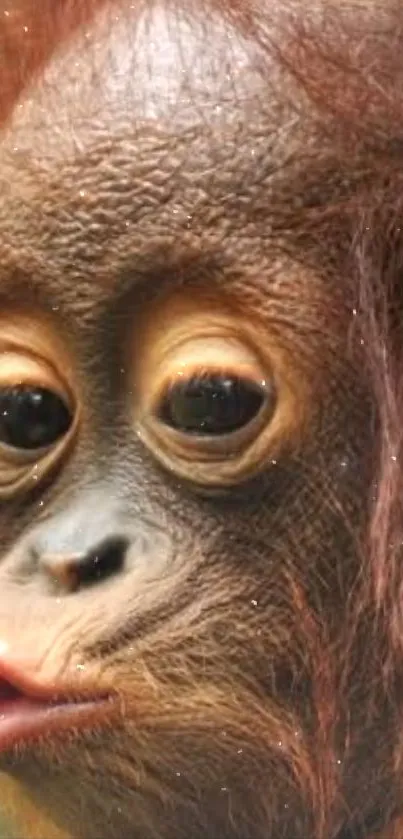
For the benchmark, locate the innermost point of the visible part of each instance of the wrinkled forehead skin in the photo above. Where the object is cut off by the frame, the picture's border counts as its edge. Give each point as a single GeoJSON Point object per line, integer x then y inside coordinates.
{"type": "Point", "coordinates": [160, 119]}
{"type": "Point", "coordinates": [154, 124]}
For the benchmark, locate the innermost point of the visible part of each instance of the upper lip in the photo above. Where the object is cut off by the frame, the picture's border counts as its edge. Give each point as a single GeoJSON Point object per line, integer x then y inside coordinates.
{"type": "Point", "coordinates": [19, 681]}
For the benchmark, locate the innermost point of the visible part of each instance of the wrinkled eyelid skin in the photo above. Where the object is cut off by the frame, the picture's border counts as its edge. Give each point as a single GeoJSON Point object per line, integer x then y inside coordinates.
{"type": "Point", "coordinates": [191, 328]}
{"type": "Point", "coordinates": [33, 354]}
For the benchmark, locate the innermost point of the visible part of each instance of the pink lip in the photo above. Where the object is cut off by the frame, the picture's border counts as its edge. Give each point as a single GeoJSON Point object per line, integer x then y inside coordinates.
{"type": "Point", "coordinates": [30, 710]}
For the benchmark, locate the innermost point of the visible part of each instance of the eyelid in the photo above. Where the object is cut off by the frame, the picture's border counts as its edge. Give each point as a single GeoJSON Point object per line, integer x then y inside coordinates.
{"type": "Point", "coordinates": [188, 326]}
{"type": "Point", "coordinates": [201, 356]}
{"type": "Point", "coordinates": [17, 369]}
{"type": "Point", "coordinates": [40, 355]}
{"type": "Point", "coordinates": [227, 354]}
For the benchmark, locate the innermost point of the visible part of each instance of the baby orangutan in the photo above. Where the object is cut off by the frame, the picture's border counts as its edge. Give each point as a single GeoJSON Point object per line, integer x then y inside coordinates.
{"type": "Point", "coordinates": [201, 360]}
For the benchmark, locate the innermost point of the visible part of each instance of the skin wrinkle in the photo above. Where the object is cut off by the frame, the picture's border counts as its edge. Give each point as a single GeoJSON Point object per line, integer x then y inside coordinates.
{"type": "Point", "coordinates": [248, 655]}
{"type": "Point", "coordinates": [213, 155]}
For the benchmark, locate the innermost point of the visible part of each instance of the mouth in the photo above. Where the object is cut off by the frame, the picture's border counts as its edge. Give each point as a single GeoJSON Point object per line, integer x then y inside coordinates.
{"type": "Point", "coordinates": [30, 712]}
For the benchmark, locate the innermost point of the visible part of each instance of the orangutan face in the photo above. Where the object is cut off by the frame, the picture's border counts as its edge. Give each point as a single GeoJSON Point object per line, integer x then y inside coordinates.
{"type": "Point", "coordinates": [199, 255]}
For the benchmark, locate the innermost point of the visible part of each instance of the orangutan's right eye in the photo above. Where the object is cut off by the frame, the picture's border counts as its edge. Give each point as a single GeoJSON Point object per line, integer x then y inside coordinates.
{"type": "Point", "coordinates": [32, 417]}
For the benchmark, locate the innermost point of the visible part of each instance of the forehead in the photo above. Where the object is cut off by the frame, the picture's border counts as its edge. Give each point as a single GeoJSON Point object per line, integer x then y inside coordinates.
{"type": "Point", "coordinates": [156, 128]}
{"type": "Point", "coordinates": [149, 66]}
{"type": "Point", "coordinates": [136, 124]}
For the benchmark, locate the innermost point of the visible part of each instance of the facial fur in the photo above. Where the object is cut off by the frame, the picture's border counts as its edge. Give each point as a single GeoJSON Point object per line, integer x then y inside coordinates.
{"type": "Point", "coordinates": [201, 186]}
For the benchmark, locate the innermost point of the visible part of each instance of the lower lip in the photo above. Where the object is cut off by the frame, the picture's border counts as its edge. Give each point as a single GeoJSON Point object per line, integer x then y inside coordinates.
{"type": "Point", "coordinates": [24, 720]}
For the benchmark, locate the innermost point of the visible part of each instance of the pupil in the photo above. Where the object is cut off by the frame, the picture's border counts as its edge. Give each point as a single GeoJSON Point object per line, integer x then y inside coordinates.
{"type": "Point", "coordinates": [212, 404]}
{"type": "Point", "coordinates": [31, 418]}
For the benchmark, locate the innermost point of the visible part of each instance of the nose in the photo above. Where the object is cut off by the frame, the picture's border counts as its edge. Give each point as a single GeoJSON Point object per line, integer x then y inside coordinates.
{"type": "Point", "coordinates": [75, 570]}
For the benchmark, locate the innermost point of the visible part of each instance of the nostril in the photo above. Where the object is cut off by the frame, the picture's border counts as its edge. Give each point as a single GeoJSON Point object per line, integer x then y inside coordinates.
{"type": "Point", "coordinates": [75, 570]}
{"type": "Point", "coordinates": [105, 560]}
